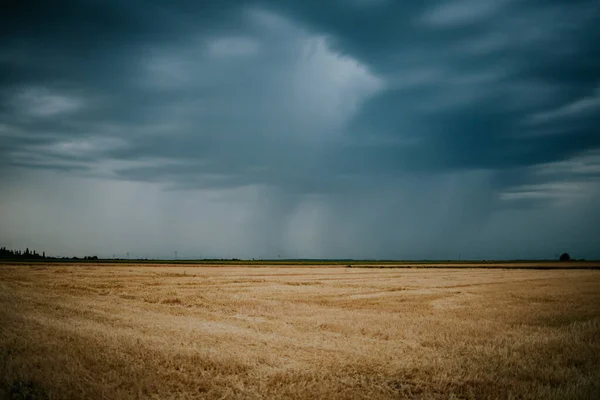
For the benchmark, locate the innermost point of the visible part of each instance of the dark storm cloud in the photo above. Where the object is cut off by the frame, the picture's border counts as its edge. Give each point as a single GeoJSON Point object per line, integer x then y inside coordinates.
{"type": "Point", "coordinates": [478, 121]}
{"type": "Point", "coordinates": [99, 62]}
{"type": "Point", "coordinates": [463, 115]}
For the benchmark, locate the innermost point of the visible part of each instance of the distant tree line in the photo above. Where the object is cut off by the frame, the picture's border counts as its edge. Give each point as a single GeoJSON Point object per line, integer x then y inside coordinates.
{"type": "Point", "coordinates": [18, 254]}
{"type": "Point", "coordinates": [7, 254]}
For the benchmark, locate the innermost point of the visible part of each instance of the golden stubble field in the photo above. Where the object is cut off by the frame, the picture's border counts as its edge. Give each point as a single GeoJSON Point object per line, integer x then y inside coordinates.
{"type": "Point", "coordinates": [185, 332]}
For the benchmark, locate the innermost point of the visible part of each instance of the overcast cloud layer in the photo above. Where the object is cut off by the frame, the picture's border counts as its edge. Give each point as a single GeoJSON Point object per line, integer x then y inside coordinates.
{"type": "Point", "coordinates": [339, 129]}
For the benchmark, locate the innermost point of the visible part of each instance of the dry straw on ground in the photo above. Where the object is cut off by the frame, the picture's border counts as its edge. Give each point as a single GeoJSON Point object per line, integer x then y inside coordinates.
{"type": "Point", "coordinates": [111, 332]}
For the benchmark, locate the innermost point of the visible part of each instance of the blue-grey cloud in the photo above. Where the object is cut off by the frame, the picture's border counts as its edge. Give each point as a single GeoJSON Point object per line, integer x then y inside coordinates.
{"type": "Point", "coordinates": [368, 128]}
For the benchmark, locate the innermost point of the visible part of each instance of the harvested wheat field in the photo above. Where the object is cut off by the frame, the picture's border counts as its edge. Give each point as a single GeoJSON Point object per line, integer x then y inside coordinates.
{"type": "Point", "coordinates": [184, 332]}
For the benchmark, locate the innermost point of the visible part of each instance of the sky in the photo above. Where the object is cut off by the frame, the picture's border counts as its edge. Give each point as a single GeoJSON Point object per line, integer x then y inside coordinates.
{"type": "Point", "coordinates": [371, 129]}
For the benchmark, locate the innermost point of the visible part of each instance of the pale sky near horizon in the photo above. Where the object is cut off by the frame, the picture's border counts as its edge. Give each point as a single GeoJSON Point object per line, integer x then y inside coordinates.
{"type": "Point", "coordinates": [301, 129]}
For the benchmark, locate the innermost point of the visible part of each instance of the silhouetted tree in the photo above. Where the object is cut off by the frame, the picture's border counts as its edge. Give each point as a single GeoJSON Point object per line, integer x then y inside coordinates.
{"type": "Point", "coordinates": [565, 257]}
